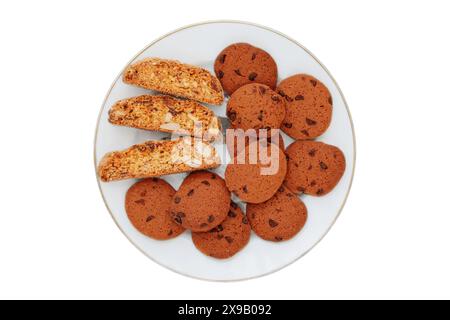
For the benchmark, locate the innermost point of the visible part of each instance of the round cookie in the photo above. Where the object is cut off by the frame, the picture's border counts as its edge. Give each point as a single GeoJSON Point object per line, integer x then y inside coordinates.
{"type": "Point", "coordinates": [309, 106]}
{"type": "Point", "coordinates": [227, 238]}
{"type": "Point", "coordinates": [279, 218]}
{"type": "Point", "coordinates": [147, 204]}
{"type": "Point", "coordinates": [256, 106]}
{"type": "Point", "coordinates": [242, 63]}
{"type": "Point", "coordinates": [256, 181]}
{"type": "Point", "coordinates": [314, 167]}
{"type": "Point", "coordinates": [202, 201]}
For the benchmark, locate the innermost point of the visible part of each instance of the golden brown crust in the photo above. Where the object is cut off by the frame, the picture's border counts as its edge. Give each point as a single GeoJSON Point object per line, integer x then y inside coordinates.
{"type": "Point", "coordinates": [176, 78]}
{"type": "Point", "coordinates": [157, 158]}
{"type": "Point", "coordinates": [166, 114]}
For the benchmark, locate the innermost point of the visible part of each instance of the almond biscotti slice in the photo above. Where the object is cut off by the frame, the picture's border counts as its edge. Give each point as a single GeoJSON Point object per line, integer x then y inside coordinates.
{"type": "Point", "coordinates": [176, 78]}
{"type": "Point", "coordinates": [166, 114]}
{"type": "Point", "coordinates": [157, 158]}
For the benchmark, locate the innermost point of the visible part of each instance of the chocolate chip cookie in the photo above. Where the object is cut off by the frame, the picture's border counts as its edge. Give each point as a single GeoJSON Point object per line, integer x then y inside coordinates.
{"type": "Point", "coordinates": [257, 172]}
{"type": "Point", "coordinates": [147, 204]}
{"type": "Point", "coordinates": [227, 238]}
{"type": "Point", "coordinates": [279, 218]}
{"type": "Point", "coordinates": [256, 106]}
{"type": "Point", "coordinates": [202, 202]}
{"type": "Point", "coordinates": [309, 106]}
{"type": "Point", "coordinates": [314, 168]}
{"type": "Point", "coordinates": [242, 63]}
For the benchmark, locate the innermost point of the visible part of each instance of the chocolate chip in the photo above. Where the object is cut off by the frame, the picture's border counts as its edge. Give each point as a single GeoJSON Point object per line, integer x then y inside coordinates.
{"type": "Point", "coordinates": [170, 232]}
{"type": "Point", "coordinates": [281, 189]}
{"type": "Point", "coordinates": [222, 58]}
{"type": "Point", "coordinates": [272, 223]}
{"type": "Point", "coordinates": [330, 100]}
{"type": "Point", "coordinates": [211, 218]}
{"type": "Point", "coordinates": [289, 99]}
{"type": "Point", "coordinates": [278, 239]}
{"type": "Point", "coordinates": [213, 230]}
{"type": "Point", "coordinates": [262, 90]}
{"type": "Point", "coordinates": [312, 152]}
{"type": "Point", "coordinates": [300, 189]}
{"type": "Point", "coordinates": [231, 214]}
{"type": "Point", "coordinates": [313, 183]}
{"type": "Point", "coordinates": [305, 132]}
{"type": "Point", "coordinates": [252, 76]}
{"type": "Point", "coordinates": [238, 72]}
{"type": "Point", "coordinates": [323, 166]}
{"type": "Point", "coordinates": [310, 122]}
{"type": "Point", "coordinates": [177, 199]}
{"type": "Point", "coordinates": [206, 183]}
{"type": "Point", "coordinates": [233, 205]}
{"type": "Point", "coordinates": [190, 193]}
{"type": "Point", "coordinates": [260, 115]}
{"type": "Point", "coordinates": [299, 97]}
{"type": "Point", "coordinates": [244, 220]}
{"type": "Point", "coordinates": [219, 228]}
{"type": "Point", "coordinates": [203, 225]}
{"type": "Point", "coordinates": [276, 98]}
{"type": "Point", "coordinates": [140, 201]}
{"type": "Point", "coordinates": [220, 74]}
{"type": "Point", "coordinates": [231, 115]}
{"type": "Point", "coordinates": [281, 93]}
{"type": "Point", "coordinates": [229, 239]}
{"type": "Point", "coordinates": [313, 82]}
{"type": "Point", "coordinates": [287, 125]}
{"type": "Point", "coordinates": [149, 218]}
{"type": "Point", "coordinates": [177, 219]}
{"type": "Point", "coordinates": [244, 188]}
{"type": "Point", "coordinates": [253, 56]}
{"type": "Point", "coordinates": [319, 191]}
{"type": "Point", "coordinates": [213, 176]}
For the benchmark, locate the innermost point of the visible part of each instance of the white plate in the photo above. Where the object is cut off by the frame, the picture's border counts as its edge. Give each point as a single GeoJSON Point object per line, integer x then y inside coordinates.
{"type": "Point", "coordinates": [199, 45]}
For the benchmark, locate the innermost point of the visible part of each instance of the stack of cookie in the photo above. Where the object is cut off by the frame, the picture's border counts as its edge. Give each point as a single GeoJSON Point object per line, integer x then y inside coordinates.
{"type": "Point", "coordinates": [300, 106]}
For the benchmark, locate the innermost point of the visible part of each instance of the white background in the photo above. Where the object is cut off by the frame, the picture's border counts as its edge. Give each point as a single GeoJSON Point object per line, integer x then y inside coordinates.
{"type": "Point", "coordinates": [57, 61]}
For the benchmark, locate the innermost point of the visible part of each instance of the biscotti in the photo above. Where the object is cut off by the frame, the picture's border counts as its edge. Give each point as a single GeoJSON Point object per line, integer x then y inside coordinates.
{"type": "Point", "coordinates": [175, 78]}
{"type": "Point", "coordinates": [157, 158]}
{"type": "Point", "coordinates": [166, 114]}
